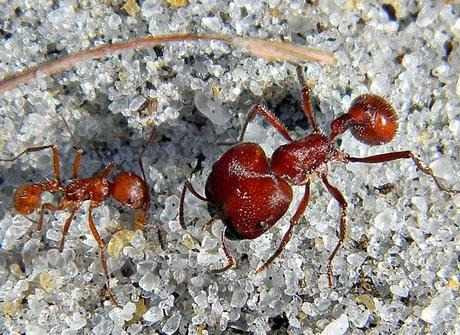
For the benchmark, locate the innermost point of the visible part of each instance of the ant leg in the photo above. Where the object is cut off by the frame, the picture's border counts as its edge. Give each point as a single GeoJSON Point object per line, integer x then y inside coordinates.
{"type": "Point", "coordinates": [263, 111]}
{"type": "Point", "coordinates": [76, 163]}
{"type": "Point", "coordinates": [305, 95]}
{"type": "Point", "coordinates": [139, 219]}
{"type": "Point", "coordinates": [39, 223]}
{"type": "Point", "coordinates": [391, 156]}
{"type": "Point", "coordinates": [55, 156]}
{"type": "Point", "coordinates": [337, 195]}
{"type": "Point", "coordinates": [66, 227]}
{"type": "Point", "coordinates": [209, 223]}
{"type": "Point", "coordinates": [100, 243]}
{"type": "Point", "coordinates": [287, 236]}
{"type": "Point", "coordinates": [230, 260]}
{"type": "Point", "coordinates": [187, 186]}
{"type": "Point", "coordinates": [51, 208]}
{"type": "Point", "coordinates": [109, 169]}
{"type": "Point", "coordinates": [140, 215]}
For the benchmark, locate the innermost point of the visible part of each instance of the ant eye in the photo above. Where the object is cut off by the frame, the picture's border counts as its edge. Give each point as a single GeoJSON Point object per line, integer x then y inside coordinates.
{"type": "Point", "coordinates": [375, 120]}
{"type": "Point", "coordinates": [262, 226]}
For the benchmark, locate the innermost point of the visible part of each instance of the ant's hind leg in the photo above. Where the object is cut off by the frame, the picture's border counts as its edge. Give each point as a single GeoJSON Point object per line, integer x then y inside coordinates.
{"type": "Point", "coordinates": [337, 195]}
{"type": "Point", "coordinates": [287, 236]}
{"type": "Point", "coordinates": [55, 156]}
{"type": "Point", "coordinates": [187, 186]}
{"type": "Point", "coordinates": [391, 156]}
{"type": "Point", "coordinates": [101, 244]}
{"type": "Point", "coordinates": [230, 260]}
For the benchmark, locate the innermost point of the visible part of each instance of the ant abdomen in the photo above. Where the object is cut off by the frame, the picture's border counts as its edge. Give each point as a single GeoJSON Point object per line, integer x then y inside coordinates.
{"type": "Point", "coordinates": [373, 120]}
{"type": "Point", "coordinates": [27, 198]}
{"type": "Point", "coordinates": [250, 197]}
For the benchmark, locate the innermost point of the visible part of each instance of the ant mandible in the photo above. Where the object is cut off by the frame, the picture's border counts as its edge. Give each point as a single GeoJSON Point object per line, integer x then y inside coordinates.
{"type": "Point", "coordinates": [126, 187]}
{"type": "Point", "coordinates": [250, 193]}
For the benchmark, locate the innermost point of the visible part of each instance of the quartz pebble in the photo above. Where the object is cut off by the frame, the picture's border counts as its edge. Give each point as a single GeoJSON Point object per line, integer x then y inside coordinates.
{"type": "Point", "coordinates": [239, 297]}
{"type": "Point", "coordinates": [118, 241]}
{"type": "Point", "coordinates": [211, 109]}
{"type": "Point", "coordinates": [154, 314]}
{"type": "Point", "coordinates": [443, 169]}
{"type": "Point", "coordinates": [337, 327]}
{"type": "Point", "coordinates": [172, 324]}
{"type": "Point", "coordinates": [148, 281]}
{"type": "Point", "coordinates": [47, 282]}
{"type": "Point", "coordinates": [432, 312]}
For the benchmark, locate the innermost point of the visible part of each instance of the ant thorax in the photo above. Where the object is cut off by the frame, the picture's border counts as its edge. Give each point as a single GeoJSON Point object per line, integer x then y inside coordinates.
{"type": "Point", "coordinates": [296, 160]}
{"type": "Point", "coordinates": [96, 189]}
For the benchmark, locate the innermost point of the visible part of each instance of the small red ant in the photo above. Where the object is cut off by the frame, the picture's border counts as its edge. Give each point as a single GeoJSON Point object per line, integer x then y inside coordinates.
{"type": "Point", "coordinates": [126, 187]}
{"type": "Point", "coordinates": [251, 193]}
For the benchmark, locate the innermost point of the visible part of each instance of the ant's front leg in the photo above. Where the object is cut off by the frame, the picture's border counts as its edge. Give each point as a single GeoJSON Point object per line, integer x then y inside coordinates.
{"type": "Point", "coordinates": [139, 218]}
{"type": "Point", "coordinates": [187, 186]}
{"type": "Point", "coordinates": [50, 207]}
{"type": "Point", "coordinates": [230, 260]}
{"type": "Point", "coordinates": [391, 156]}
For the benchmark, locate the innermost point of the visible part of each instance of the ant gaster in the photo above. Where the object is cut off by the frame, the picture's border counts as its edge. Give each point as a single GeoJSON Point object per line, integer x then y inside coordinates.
{"type": "Point", "coordinates": [251, 192]}
{"type": "Point", "coordinates": [126, 187]}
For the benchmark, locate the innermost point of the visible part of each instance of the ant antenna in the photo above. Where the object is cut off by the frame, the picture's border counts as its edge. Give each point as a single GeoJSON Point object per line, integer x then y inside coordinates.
{"type": "Point", "coordinates": [227, 143]}
{"type": "Point", "coordinates": [74, 140]}
{"type": "Point", "coordinates": [300, 75]}
{"type": "Point", "coordinates": [147, 143]}
{"type": "Point", "coordinates": [76, 162]}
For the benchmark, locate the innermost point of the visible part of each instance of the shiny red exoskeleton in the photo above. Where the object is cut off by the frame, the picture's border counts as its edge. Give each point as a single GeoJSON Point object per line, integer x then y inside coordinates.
{"type": "Point", "coordinates": [252, 192]}
{"type": "Point", "coordinates": [126, 187]}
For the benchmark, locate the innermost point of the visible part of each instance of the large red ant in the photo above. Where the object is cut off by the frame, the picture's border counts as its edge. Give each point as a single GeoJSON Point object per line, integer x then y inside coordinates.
{"type": "Point", "coordinates": [251, 193]}
{"type": "Point", "coordinates": [126, 187]}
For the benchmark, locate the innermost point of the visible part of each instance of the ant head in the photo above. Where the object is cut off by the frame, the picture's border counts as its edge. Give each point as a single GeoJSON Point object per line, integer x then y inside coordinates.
{"type": "Point", "coordinates": [131, 190]}
{"type": "Point", "coordinates": [27, 198]}
{"type": "Point", "coordinates": [374, 121]}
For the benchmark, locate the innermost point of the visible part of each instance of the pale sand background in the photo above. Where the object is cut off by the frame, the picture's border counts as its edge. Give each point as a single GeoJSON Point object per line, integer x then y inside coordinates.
{"type": "Point", "coordinates": [411, 260]}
